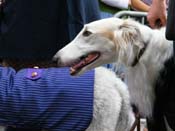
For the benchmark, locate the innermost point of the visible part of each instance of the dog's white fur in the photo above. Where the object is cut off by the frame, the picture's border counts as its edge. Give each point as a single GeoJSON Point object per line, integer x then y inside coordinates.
{"type": "Point", "coordinates": [112, 111]}
{"type": "Point", "coordinates": [121, 41]}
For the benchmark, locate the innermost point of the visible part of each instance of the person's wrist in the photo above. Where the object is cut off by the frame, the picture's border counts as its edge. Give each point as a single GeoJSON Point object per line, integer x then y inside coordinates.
{"type": "Point", "coordinates": [158, 5]}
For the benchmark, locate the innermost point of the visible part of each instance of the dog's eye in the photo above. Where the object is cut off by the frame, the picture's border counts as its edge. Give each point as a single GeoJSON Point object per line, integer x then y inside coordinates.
{"type": "Point", "coordinates": [87, 33]}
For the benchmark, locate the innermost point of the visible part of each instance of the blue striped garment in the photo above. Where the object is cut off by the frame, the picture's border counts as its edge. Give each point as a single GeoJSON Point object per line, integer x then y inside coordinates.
{"type": "Point", "coordinates": [47, 99]}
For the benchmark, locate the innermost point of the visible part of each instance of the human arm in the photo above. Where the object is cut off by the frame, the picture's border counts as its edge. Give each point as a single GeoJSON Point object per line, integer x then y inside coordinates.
{"type": "Point", "coordinates": [139, 5]}
{"type": "Point", "coordinates": [157, 14]}
{"type": "Point", "coordinates": [33, 98]}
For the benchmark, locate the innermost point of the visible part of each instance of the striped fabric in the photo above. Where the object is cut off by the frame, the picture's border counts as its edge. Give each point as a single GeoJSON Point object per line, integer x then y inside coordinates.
{"type": "Point", "coordinates": [53, 101]}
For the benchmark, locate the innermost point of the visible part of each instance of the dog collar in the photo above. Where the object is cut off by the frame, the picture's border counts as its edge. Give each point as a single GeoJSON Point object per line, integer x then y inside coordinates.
{"type": "Point", "coordinates": [137, 58]}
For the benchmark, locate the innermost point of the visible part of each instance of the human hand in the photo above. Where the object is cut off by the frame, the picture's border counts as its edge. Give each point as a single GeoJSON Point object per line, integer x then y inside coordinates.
{"type": "Point", "coordinates": [145, 129]}
{"type": "Point", "coordinates": [157, 14]}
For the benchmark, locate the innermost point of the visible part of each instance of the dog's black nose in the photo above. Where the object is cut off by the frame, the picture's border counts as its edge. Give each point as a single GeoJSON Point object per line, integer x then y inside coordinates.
{"type": "Point", "coordinates": [56, 60]}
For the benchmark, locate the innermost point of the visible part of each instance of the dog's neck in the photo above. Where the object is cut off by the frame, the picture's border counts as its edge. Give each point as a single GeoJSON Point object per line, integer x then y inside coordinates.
{"type": "Point", "coordinates": [142, 76]}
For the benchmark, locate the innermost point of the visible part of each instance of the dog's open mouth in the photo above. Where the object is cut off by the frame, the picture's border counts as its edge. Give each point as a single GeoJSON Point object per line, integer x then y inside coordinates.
{"type": "Point", "coordinates": [84, 61]}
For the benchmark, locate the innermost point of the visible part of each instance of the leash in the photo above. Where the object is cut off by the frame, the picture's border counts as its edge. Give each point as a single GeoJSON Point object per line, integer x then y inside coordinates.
{"type": "Point", "coordinates": [136, 123]}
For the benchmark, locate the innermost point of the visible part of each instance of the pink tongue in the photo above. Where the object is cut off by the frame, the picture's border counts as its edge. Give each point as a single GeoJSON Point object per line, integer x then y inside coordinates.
{"type": "Point", "coordinates": [83, 63]}
{"type": "Point", "coordinates": [80, 64]}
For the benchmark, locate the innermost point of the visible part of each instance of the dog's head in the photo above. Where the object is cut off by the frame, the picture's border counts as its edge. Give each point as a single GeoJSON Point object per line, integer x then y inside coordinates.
{"type": "Point", "coordinates": [100, 42]}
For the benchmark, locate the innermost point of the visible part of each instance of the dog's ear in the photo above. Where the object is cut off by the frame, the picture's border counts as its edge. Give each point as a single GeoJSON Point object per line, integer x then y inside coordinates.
{"type": "Point", "coordinates": [130, 40]}
{"type": "Point", "coordinates": [131, 33]}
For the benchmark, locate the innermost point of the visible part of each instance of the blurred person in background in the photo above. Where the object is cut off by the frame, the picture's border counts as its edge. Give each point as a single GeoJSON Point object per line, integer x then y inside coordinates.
{"type": "Point", "coordinates": [121, 4]}
{"type": "Point", "coordinates": [32, 31]}
{"type": "Point", "coordinates": [142, 5]}
{"type": "Point", "coordinates": [110, 7]}
{"type": "Point", "coordinates": [164, 111]}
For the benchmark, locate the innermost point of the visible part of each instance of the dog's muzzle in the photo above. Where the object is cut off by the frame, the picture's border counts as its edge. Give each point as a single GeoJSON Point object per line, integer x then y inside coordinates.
{"type": "Point", "coordinates": [57, 60]}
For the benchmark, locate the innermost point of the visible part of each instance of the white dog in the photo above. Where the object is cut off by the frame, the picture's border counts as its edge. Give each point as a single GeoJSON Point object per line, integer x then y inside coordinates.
{"type": "Point", "coordinates": [143, 51]}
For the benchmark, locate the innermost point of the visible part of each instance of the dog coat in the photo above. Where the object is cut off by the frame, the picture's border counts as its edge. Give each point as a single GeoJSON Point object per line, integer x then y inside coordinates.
{"type": "Point", "coordinates": [47, 99]}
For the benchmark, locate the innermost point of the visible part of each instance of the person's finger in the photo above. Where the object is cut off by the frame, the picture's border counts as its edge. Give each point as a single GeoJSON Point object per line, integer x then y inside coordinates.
{"type": "Point", "coordinates": [163, 21]}
{"type": "Point", "coordinates": [151, 20]}
{"type": "Point", "coordinates": [152, 23]}
{"type": "Point", "coordinates": [145, 129]}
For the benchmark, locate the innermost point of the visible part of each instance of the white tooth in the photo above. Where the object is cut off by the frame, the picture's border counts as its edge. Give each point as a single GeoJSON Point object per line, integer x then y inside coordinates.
{"type": "Point", "coordinates": [72, 69]}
